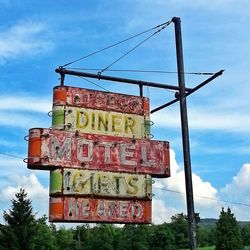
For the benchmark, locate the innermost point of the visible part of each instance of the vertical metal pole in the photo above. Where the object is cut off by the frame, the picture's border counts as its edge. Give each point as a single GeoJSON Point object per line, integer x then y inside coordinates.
{"type": "Point", "coordinates": [185, 135]}
{"type": "Point", "coordinates": [141, 89]}
{"type": "Point", "coordinates": [62, 79]}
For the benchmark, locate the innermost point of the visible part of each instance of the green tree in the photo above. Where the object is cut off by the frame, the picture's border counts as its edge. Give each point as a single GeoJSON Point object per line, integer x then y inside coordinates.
{"type": "Point", "coordinates": [245, 233]}
{"type": "Point", "coordinates": [162, 237]}
{"type": "Point", "coordinates": [44, 237]}
{"type": "Point", "coordinates": [101, 237]}
{"type": "Point", "coordinates": [65, 239]}
{"type": "Point", "coordinates": [134, 237]}
{"type": "Point", "coordinates": [212, 236]}
{"type": "Point", "coordinates": [203, 236]}
{"type": "Point", "coordinates": [18, 231]}
{"type": "Point", "coordinates": [179, 225]}
{"type": "Point", "coordinates": [81, 236]}
{"type": "Point", "coordinates": [227, 232]}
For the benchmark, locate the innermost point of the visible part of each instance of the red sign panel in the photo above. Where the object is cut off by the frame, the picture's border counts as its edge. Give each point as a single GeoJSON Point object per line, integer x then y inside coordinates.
{"type": "Point", "coordinates": [50, 149]}
{"type": "Point", "coordinates": [71, 209]}
{"type": "Point", "coordinates": [86, 98]}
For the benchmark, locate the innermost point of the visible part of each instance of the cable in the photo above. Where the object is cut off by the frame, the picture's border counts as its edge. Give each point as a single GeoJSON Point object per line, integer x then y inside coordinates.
{"type": "Point", "coordinates": [164, 189]}
{"type": "Point", "coordinates": [203, 197]}
{"type": "Point", "coordinates": [87, 80]}
{"type": "Point", "coordinates": [163, 27]}
{"type": "Point", "coordinates": [10, 155]}
{"type": "Point", "coordinates": [143, 71]}
{"type": "Point", "coordinates": [115, 44]}
{"type": "Point", "coordinates": [126, 53]}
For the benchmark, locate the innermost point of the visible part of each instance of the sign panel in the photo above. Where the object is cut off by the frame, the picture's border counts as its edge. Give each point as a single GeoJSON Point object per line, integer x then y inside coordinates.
{"type": "Point", "coordinates": [50, 149]}
{"type": "Point", "coordinates": [100, 157]}
{"type": "Point", "coordinates": [100, 122]}
{"type": "Point", "coordinates": [74, 209]}
{"type": "Point", "coordinates": [86, 98]}
{"type": "Point", "coordinates": [99, 183]}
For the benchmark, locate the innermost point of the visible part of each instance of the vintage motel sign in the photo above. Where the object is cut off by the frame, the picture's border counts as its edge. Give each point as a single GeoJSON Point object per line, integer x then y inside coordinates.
{"type": "Point", "coordinates": [100, 156]}
{"type": "Point", "coordinates": [80, 182]}
{"type": "Point", "coordinates": [100, 122]}
{"type": "Point", "coordinates": [51, 148]}
{"type": "Point", "coordinates": [99, 112]}
{"type": "Point", "coordinates": [107, 101]}
{"type": "Point", "coordinates": [79, 209]}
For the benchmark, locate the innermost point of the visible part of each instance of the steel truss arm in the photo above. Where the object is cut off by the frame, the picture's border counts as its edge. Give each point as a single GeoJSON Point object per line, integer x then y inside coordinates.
{"type": "Point", "coordinates": [191, 91]}
{"type": "Point", "coordinates": [64, 72]}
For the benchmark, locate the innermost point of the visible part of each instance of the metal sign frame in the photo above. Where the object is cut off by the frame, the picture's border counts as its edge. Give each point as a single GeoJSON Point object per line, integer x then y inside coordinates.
{"type": "Point", "coordinates": [181, 93]}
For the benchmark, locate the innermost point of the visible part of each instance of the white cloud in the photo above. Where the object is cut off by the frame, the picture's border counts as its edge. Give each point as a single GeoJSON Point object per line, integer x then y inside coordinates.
{"type": "Point", "coordinates": [239, 189]}
{"type": "Point", "coordinates": [162, 213]}
{"type": "Point", "coordinates": [205, 195]}
{"type": "Point", "coordinates": [31, 185]}
{"type": "Point", "coordinates": [200, 119]}
{"type": "Point", "coordinates": [170, 195]}
{"type": "Point", "coordinates": [15, 111]}
{"type": "Point", "coordinates": [15, 166]}
{"type": "Point", "coordinates": [201, 189]}
{"type": "Point", "coordinates": [8, 161]}
{"type": "Point", "coordinates": [22, 120]}
{"type": "Point", "coordinates": [25, 103]}
{"type": "Point", "coordinates": [177, 183]}
{"type": "Point", "coordinates": [38, 194]}
{"type": "Point", "coordinates": [23, 39]}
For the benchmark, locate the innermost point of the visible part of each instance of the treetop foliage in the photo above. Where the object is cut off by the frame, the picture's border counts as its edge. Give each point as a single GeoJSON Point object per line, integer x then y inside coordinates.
{"type": "Point", "coordinates": [228, 235]}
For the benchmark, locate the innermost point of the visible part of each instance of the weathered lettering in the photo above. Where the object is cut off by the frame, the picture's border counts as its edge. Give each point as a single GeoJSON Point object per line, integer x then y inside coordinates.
{"type": "Point", "coordinates": [86, 98]}
{"type": "Point", "coordinates": [96, 210]}
{"type": "Point", "coordinates": [59, 149]}
{"type": "Point", "coordinates": [100, 122]}
{"type": "Point", "coordinates": [100, 183]}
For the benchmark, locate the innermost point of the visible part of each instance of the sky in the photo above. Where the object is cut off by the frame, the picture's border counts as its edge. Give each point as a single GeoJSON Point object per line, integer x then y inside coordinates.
{"type": "Point", "coordinates": [38, 36]}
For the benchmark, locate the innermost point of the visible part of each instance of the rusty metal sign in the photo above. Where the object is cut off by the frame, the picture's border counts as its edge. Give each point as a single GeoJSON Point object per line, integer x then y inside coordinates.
{"type": "Point", "coordinates": [100, 122]}
{"type": "Point", "coordinates": [98, 183]}
{"type": "Point", "coordinates": [100, 157]}
{"type": "Point", "coordinates": [50, 149]}
{"type": "Point", "coordinates": [86, 98]}
{"type": "Point", "coordinates": [74, 209]}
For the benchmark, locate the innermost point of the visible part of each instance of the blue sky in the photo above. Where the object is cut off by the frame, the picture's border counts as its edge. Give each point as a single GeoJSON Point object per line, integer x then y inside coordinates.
{"type": "Point", "coordinates": [38, 36]}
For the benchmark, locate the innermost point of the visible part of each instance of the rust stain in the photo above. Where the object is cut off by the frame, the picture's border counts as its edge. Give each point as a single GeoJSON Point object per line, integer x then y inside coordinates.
{"type": "Point", "coordinates": [103, 210]}
{"type": "Point", "coordinates": [100, 122]}
{"type": "Point", "coordinates": [100, 157]}
{"type": "Point", "coordinates": [99, 183]}
{"type": "Point", "coordinates": [86, 98]}
{"type": "Point", "coordinates": [100, 152]}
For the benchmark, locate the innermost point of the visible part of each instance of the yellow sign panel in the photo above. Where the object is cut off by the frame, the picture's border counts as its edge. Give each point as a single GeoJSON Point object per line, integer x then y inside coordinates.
{"type": "Point", "coordinates": [100, 183]}
{"type": "Point", "coordinates": [100, 122]}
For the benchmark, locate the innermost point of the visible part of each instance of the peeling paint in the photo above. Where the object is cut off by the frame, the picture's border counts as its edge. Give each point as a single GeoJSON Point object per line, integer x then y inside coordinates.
{"type": "Point", "coordinates": [100, 122]}
{"type": "Point", "coordinates": [99, 183]}
{"type": "Point", "coordinates": [86, 98]}
{"type": "Point", "coordinates": [60, 149]}
{"type": "Point", "coordinates": [74, 209]}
